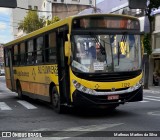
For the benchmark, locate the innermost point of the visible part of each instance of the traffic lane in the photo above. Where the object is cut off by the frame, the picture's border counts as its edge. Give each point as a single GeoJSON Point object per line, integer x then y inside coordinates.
{"type": "Point", "coordinates": [131, 116]}
{"type": "Point", "coordinates": [2, 79]}
{"type": "Point", "coordinates": [134, 116]}
{"type": "Point", "coordinates": [143, 116]}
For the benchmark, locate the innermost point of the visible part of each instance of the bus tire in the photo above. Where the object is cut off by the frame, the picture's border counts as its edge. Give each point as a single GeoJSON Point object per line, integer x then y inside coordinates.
{"type": "Point", "coordinates": [19, 91]}
{"type": "Point", "coordinates": [55, 101]}
{"type": "Point", "coordinates": [112, 108]}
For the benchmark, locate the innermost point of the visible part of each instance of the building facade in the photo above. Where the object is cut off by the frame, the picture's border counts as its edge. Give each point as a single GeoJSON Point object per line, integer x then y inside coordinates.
{"type": "Point", "coordinates": [47, 9]}
{"type": "Point", "coordinates": [65, 8]}
{"type": "Point", "coordinates": [1, 55]}
{"type": "Point", "coordinates": [155, 57]}
{"type": "Point", "coordinates": [18, 14]}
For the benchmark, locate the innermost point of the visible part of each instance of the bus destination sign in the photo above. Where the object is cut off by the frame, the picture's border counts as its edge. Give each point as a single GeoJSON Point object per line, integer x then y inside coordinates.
{"type": "Point", "coordinates": [106, 22]}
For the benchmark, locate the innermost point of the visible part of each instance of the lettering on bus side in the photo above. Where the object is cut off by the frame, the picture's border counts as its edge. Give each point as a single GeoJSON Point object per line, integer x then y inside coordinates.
{"type": "Point", "coordinates": [22, 73]}
{"type": "Point", "coordinates": [47, 70]}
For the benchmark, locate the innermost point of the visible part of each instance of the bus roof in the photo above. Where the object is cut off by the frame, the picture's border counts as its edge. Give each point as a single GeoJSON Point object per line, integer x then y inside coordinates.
{"type": "Point", "coordinates": [62, 22]}
{"type": "Point", "coordinates": [40, 31]}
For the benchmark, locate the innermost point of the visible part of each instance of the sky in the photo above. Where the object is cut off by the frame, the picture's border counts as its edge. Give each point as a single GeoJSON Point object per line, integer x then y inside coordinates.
{"type": "Point", "coordinates": [5, 25]}
{"type": "Point", "coordinates": [99, 1]}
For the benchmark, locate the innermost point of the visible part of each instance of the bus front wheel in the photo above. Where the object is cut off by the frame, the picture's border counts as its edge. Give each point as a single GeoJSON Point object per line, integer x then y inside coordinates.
{"type": "Point", "coordinates": [55, 101]}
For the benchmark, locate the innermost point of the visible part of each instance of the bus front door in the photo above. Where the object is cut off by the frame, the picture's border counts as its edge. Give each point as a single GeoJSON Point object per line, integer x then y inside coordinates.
{"type": "Point", "coordinates": [63, 68]}
{"type": "Point", "coordinates": [11, 72]}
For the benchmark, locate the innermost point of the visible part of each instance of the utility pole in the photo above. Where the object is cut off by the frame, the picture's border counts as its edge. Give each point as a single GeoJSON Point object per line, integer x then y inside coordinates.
{"type": "Point", "coordinates": [95, 7]}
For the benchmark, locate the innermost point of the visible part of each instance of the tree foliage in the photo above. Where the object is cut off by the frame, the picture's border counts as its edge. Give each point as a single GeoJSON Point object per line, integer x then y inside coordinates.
{"type": "Point", "coordinates": [55, 19]}
{"type": "Point", "coordinates": [147, 43]}
{"type": "Point", "coordinates": [31, 22]}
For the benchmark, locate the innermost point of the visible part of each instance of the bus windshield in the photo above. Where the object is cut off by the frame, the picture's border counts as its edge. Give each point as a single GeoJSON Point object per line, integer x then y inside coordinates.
{"type": "Point", "coordinates": [106, 53]}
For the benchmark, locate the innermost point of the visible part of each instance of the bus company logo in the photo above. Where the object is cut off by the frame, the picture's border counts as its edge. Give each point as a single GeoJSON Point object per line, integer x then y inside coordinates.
{"type": "Point", "coordinates": [113, 89]}
{"type": "Point", "coordinates": [96, 86]}
{"type": "Point", "coordinates": [34, 74]}
{"type": "Point", "coordinates": [6, 135]}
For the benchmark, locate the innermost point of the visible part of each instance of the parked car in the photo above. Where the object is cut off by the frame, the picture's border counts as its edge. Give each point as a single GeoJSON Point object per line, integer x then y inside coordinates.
{"type": "Point", "coordinates": [2, 72]}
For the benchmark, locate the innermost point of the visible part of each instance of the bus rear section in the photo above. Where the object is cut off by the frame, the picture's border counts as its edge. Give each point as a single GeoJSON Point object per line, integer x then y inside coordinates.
{"type": "Point", "coordinates": [106, 68]}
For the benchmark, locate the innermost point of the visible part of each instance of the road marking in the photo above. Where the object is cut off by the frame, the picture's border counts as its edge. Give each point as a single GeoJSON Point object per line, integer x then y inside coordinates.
{"type": "Point", "coordinates": [155, 113]}
{"type": "Point", "coordinates": [152, 99]}
{"type": "Point", "coordinates": [152, 91]}
{"type": "Point", "coordinates": [27, 105]}
{"type": "Point", "coordinates": [4, 106]}
{"type": "Point", "coordinates": [74, 132]}
{"type": "Point", "coordinates": [144, 101]}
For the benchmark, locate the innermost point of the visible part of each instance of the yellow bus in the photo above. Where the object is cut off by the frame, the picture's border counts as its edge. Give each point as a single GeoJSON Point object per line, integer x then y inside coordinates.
{"type": "Point", "coordinates": [83, 61]}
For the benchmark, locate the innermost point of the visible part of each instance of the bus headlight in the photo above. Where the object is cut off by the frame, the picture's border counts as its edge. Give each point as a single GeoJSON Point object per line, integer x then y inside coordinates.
{"type": "Point", "coordinates": [136, 86]}
{"type": "Point", "coordinates": [82, 88]}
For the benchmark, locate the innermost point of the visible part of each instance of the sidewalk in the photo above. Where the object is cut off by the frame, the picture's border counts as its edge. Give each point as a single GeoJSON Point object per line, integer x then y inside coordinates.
{"type": "Point", "coordinates": [153, 89]}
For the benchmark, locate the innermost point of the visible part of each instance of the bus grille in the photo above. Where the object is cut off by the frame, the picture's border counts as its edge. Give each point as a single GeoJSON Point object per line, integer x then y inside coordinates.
{"type": "Point", "coordinates": [109, 77]}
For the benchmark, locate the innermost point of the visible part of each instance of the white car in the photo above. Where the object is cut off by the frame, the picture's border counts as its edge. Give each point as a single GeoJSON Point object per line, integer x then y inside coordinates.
{"type": "Point", "coordinates": [2, 72]}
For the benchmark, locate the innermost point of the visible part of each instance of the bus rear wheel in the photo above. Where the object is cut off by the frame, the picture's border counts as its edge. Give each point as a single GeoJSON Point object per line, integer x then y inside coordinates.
{"type": "Point", "coordinates": [19, 91]}
{"type": "Point", "coordinates": [55, 101]}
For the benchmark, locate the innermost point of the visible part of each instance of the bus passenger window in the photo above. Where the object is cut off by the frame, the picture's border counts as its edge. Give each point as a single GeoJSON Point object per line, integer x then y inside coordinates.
{"type": "Point", "coordinates": [16, 55]}
{"type": "Point", "coordinates": [6, 56]}
{"type": "Point", "coordinates": [52, 48]}
{"type": "Point", "coordinates": [39, 48]}
{"type": "Point", "coordinates": [30, 51]}
{"type": "Point", "coordinates": [46, 45]}
{"type": "Point", "coordinates": [22, 53]}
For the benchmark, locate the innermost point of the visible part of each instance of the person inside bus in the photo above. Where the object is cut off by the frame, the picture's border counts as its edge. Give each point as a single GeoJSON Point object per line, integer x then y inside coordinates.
{"type": "Point", "coordinates": [80, 52]}
{"type": "Point", "coordinates": [100, 52]}
{"type": "Point", "coordinates": [92, 50]}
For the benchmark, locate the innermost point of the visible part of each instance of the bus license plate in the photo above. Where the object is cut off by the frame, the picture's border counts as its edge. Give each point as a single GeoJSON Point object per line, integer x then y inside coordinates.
{"type": "Point", "coordinates": [113, 97]}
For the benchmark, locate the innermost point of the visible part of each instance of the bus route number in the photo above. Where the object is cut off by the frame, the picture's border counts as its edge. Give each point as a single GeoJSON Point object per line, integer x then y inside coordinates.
{"type": "Point", "coordinates": [124, 85]}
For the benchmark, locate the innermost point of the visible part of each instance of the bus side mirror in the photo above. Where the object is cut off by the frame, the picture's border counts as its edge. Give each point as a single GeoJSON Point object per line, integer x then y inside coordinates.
{"type": "Point", "coordinates": [67, 50]}
{"type": "Point", "coordinates": [67, 46]}
{"type": "Point", "coordinates": [68, 37]}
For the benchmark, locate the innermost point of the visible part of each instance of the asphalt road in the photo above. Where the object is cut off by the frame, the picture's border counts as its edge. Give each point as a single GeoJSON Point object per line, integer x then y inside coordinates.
{"type": "Point", "coordinates": [127, 120]}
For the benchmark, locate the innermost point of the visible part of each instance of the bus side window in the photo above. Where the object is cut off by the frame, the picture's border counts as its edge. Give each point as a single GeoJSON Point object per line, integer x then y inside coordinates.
{"type": "Point", "coordinates": [39, 48]}
{"type": "Point", "coordinates": [6, 57]}
{"type": "Point", "coordinates": [52, 48]}
{"type": "Point", "coordinates": [30, 52]}
{"type": "Point", "coordinates": [16, 55]}
{"type": "Point", "coordinates": [22, 53]}
{"type": "Point", "coordinates": [46, 48]}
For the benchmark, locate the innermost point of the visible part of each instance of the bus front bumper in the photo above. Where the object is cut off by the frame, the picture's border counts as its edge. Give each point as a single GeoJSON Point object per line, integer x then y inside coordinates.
{"type": "Point", "coordinates": [83, 99]}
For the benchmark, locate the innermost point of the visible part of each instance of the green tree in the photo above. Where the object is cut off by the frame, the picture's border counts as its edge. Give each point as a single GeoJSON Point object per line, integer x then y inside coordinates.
{"type": "Point", "coordinates": [148, 37]}
{"type": "Point", "coordinates": [31, 22]}
{"type": "Point", "coordinates": [55, 19]}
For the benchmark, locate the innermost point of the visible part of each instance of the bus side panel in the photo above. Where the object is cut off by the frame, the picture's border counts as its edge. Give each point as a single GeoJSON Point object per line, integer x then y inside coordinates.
{"type": "Point", "coordinates": [35, 80]}
{"type": "Point", "coordinates": [8, 79]}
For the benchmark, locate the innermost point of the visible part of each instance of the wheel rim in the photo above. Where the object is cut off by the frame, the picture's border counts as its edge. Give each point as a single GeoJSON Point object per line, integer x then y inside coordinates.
{"type": "Point", "coordinates": [55, 98]}
{"type": "Point", "coordinates": [19, 92]}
